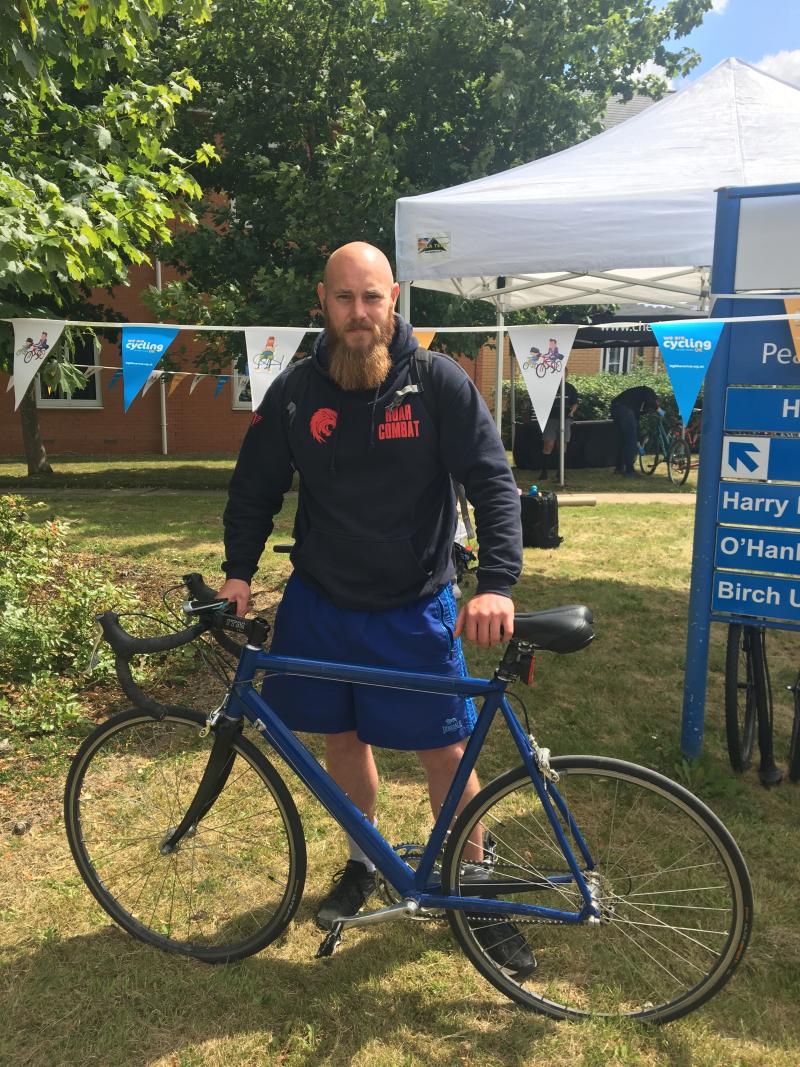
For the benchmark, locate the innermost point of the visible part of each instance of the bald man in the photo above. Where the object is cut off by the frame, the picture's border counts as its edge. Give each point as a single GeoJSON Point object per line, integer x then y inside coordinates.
{"type": "Point", "coordinates": [373, 545]}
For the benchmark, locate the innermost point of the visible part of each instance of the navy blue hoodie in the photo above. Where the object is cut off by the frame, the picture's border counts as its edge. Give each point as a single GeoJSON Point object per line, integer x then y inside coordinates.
{"type": "Point", "coordinates": [376, 513]}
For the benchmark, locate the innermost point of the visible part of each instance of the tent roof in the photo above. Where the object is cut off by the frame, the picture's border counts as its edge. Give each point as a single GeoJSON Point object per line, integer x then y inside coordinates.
{"type": "Point", "coordinates": [627, 216]}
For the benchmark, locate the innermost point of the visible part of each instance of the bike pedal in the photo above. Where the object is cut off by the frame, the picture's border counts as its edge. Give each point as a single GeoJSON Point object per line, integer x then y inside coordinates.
{"type": "Point", "coordinates": [330, 942]}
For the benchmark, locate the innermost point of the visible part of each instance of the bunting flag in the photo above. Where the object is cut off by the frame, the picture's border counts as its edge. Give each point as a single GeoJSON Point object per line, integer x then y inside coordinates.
{"type": "Point", "coordinates": [34, 340]}
{"type": "Point", "coordinates": [792, 305]}
{"type": "Point", "coordinates": [687, 349]}
{"type": "Point", "coordinates": [269, 350]}
{"type": "Point", "coordinates": [10, 385]}
{"type": "Point", "coordinates": [89, 372]}
{"type": "Point", "coordinates": [142, 348]}
{"type": "Point", "coordinates": [424, 337]}
{"type": "Point", "coordinates": [177, 378]}
{"type": "Point", "coordinates": [115, 377]}
{"type": "Point", "coordinates": [542, 353]}
{"type": "Point", "coordinates": [196, 381]}
{"type": "Point", "coordinates": [221, 379]}
{"type": "Point", "coordinates": [152, 378]}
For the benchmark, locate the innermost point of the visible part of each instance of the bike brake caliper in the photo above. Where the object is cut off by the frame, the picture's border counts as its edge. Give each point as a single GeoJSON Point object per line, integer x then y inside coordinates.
{"type": "Point", "coordinates": [542, 757]}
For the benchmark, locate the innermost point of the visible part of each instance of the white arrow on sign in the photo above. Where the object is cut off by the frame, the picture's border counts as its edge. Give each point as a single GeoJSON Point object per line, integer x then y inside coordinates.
{"type": "Point", "coordinates": [746, 457]}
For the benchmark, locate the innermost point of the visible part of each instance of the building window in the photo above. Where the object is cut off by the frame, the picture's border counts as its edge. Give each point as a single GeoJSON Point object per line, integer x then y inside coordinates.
{"type": "Point", "coordinates": [242, 400]}
{"type": "Point", "coordinates": [616, 359]}
{"type": "Point", "coordinates": [84, 355]}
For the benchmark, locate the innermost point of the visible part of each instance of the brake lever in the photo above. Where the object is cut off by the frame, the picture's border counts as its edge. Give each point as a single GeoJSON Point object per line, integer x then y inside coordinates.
{"type": "Point", "coordinates": [223, 606]}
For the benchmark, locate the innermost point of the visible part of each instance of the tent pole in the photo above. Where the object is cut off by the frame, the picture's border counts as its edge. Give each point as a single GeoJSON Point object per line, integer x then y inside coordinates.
{"type": "Point", "coordinates": [498, 385]}
{"type": "Point", "coordinates": [562, 448]}
{"type": "Point", "coordinates": [405, 301]}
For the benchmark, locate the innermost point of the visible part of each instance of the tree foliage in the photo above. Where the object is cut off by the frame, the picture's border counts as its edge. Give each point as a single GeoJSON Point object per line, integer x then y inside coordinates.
{"type": "Point", "coordinates": [88, 182]}
{"type": "Point", "coordinates": [329, 111]}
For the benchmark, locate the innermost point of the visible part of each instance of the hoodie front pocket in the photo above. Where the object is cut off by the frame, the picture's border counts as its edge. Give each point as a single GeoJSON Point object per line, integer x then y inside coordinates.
{"type": "Point", "coordinates": [363, 572]}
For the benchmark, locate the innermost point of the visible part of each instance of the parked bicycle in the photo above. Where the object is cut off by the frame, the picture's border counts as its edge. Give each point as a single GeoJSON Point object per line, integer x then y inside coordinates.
{"type": "Point", "coordinates": [633, 895]}
{"type": "Point", "coordinates": [749, 705]}
{"type": "Point", "coordinates": [748, 701]}
{"type": "Point", "coordinates": [674, 448]}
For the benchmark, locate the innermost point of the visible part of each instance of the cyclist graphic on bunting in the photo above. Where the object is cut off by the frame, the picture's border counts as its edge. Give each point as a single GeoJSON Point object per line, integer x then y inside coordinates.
{"type": "Point", "coordinates": [34, 349]}
{"type": "Point", "coordinates": [266, 359]}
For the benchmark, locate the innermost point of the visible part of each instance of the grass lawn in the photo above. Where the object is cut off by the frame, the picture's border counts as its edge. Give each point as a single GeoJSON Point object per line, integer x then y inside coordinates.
{"type": "Point", "coordinates": [76, 990]}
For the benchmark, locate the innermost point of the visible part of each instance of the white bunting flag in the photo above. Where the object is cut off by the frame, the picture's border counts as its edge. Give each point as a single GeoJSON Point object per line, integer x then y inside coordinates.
{"type": "Point", "coordinates": [542, 353]}
{"type": "Point", "coordinates": [195, 382]}
{"type": "Point", "coordinates": [34, 340]}
{"type": "Point", "coordinates": [10, 385]}
{"type": "Point", "coordinates": [269, 350]}
{"type": "Point", "coordinates": [152, 378]}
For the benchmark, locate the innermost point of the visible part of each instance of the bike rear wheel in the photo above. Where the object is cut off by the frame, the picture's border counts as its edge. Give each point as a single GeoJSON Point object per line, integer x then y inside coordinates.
{"type": "Point", "coordinates": [232, 884]}
{"type": "Point", "coordinates": [794, 746]}
{"type": "Point", "coordinates": [679, 461]}
{"type": "Point", "coordinates": [649, 453]}
{"type": "Point", "coordinates": [674, 894]}
{"type": "Point", "coordinates": [744, 685]}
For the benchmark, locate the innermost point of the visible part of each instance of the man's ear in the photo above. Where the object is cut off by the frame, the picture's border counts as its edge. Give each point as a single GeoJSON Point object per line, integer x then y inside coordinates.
{"type": "Point", "coordinates": [321, 294]}
{"type": "Point", "coordinates": [395, 292]}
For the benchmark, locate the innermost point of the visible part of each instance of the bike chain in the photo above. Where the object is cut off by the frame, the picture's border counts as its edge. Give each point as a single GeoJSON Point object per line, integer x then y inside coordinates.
{"type": "Point", "coordinates": [409, 849]}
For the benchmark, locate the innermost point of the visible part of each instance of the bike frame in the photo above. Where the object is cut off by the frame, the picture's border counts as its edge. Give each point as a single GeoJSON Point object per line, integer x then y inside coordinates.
{"type": "Point", "coordinates": [244, 701]}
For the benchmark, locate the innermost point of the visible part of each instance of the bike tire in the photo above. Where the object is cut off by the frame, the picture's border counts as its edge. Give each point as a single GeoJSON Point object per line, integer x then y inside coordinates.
{"type": "Point", "coordinates": [541, 370]}
{"type": "Point", "coordinates": [679, 462]}
{"type": "Point", "coordinates": [794, 744]}
{"type": "Point", "coordinates": [652, 875]}
{"type": "Point", "coordinates": [232, 885]}
{"type": "Point", "coordinates": [740, 696]}
{"type": "Point", "coordinates": [768, 772]}
{"type": "Point", "coordinates": [649, 453]}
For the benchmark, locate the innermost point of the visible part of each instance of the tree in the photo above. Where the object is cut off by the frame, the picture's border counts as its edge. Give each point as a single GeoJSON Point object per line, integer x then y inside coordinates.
{"type": "Point", "coordinates": [331, 111]}
{"type": "Point", "coordinates": [88, 183]}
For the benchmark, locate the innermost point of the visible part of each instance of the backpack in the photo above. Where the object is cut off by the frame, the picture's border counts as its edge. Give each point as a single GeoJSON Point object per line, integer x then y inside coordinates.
{"type": "Point", "coordinates": [540, 520]}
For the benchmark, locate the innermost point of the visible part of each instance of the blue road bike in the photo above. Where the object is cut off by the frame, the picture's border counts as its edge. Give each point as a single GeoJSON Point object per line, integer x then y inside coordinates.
{"type": "Point", "coordinates": [630, 891]}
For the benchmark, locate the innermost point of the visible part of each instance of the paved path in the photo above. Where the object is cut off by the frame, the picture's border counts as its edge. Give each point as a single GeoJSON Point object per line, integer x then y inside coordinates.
{"type": "Point", "coordinates": [631, 498]}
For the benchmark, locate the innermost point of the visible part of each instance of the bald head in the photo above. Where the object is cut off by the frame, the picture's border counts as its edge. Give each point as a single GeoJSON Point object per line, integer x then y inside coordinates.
{"type": "Point", "coordinates": [358, 257]}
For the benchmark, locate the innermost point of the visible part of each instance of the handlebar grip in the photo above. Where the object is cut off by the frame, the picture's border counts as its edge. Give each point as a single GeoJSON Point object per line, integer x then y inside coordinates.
{"type": "Point", "coordinates": [137, 697]}
{"type": "Point", "coordinates": [125, 645]}
{"type": "Point", "coordinates": [197, 588]}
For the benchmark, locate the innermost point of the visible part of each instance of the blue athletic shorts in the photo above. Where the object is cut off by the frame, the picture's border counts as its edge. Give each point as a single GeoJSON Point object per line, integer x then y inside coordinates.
{"type": "Point", "coordinates": [416, 637]}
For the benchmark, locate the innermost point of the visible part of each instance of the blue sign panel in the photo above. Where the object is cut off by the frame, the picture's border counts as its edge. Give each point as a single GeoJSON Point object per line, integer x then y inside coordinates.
{"type": "Point", "coordinates": [759, 505]}
{"type": "Point", "coordinates": [760, 459]}
{"type": "Point", "coordinates": [774, 410]}
{"type": "Point", "coordinates": [757, 596]}
{"type": "Point", "coordinates": [762, 353]}
{"type": "Point", "coordinates": [768, 551]}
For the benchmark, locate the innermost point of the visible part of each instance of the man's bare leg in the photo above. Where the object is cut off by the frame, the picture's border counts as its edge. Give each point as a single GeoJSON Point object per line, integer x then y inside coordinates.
{"type": "Point", "coordinates": [440, 766]}
{"type": "Point", "coordinates": [351, 765]}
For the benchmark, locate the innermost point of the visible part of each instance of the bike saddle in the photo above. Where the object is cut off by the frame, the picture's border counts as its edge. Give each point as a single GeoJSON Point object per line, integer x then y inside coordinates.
{"type": "Point", "coordinates": [560, 630]}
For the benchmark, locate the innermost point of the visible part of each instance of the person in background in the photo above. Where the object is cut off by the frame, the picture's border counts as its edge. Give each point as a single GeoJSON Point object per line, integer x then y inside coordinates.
{"type": "Point", "coordinates": [625, 412]}
{"type": "Point", "coordinates": [551, 429]}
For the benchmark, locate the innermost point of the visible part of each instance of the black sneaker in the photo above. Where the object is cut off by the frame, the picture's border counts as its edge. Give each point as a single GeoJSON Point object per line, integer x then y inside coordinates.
{"type": "Point", "coordinates": [499, 938]}
{"type": "Point", "coordinates": [353, 885]}
{"type": "Point", "coordinates": [506, 947]}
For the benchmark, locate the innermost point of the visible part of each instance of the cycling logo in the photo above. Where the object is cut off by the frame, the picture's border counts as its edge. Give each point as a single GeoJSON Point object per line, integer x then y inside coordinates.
{"type": "Point", "coordinates": [256, 419]}
{"type": "Point", "coordinates": [34, 349]}
{"type": "Point", "coordinates": [322, 424]}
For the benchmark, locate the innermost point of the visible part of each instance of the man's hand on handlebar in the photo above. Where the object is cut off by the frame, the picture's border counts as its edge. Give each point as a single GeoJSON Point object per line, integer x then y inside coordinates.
{"type": "Point", "coordinates": [487, 619]}
{"type": "Point", "coordinates": [237, 591]}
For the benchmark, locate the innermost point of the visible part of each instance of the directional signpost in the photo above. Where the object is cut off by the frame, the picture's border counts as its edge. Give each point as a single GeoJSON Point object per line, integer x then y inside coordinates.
{"type": "Point", "coordinates": [746, 560]}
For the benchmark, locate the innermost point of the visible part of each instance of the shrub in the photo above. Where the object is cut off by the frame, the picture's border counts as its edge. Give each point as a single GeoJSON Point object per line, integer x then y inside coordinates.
{"type": "Point", "coordinates": [48, 597]}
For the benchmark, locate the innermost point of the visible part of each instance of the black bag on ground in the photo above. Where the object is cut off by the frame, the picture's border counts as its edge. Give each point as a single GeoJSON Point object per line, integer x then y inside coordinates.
{"type": "Point", "coordinates": [540, 520]}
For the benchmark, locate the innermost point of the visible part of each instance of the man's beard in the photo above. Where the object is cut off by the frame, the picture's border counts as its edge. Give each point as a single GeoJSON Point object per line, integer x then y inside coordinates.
{"type": "Point", "coordinates": [361, 367]}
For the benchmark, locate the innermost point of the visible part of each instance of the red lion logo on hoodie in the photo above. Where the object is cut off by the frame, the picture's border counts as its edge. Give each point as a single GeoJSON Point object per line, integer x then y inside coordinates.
{"type": "Point", "coordinates": [322, 424]}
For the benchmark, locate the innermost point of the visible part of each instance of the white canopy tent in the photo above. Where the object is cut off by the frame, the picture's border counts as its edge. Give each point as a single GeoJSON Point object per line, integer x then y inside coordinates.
{"type": "Point", "coordinates": [624, 217]}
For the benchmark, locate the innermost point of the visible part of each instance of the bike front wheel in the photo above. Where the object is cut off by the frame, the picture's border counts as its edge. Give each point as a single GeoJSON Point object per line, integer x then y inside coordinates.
{"type": "Point", "coordinates": [679, 462]}
{"type": "Point", "coordinates": [649, 454]}
{"type": "Point", "coordinates": [672, 888]}
{"type": "Point", "coordinates": [231, 885]}
{"type": "Point", "coordinates": [745, 685]}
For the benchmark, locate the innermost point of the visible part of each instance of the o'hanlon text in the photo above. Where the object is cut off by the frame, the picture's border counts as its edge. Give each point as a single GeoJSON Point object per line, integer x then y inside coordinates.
{"type": "Point", "coordinates": [398, 422]}
{"type": "Point", "coordinates": [780, 355]}
{"type": "Point", "coordinates": [755, 547]}
{"type": "Point", "coordinates": [737, 500]}
{"type": "Point", "coordinates": [740, 593]}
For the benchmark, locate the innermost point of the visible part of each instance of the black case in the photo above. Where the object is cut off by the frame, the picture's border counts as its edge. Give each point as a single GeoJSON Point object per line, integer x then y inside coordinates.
{"type": "Point", "coordinates": [540, 520]}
